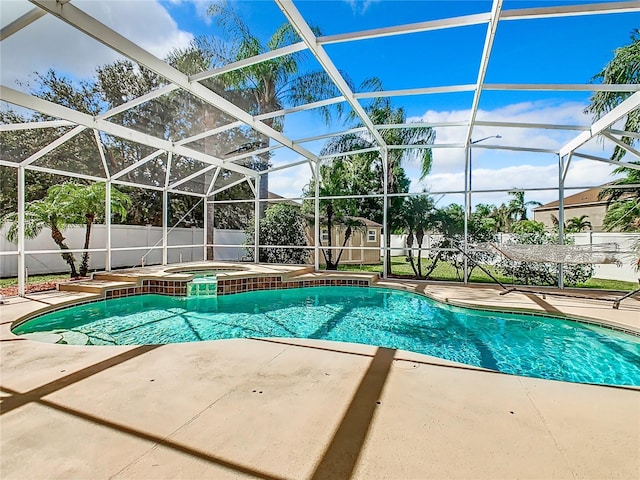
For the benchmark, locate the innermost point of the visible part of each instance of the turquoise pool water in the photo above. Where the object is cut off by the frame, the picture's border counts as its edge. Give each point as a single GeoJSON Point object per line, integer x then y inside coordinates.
{"type": "Point", "coordinates": [519, 344]}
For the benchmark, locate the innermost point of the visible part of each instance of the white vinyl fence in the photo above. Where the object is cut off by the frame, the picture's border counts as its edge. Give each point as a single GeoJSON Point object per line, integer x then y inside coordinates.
{"type": "Point", "coordinates": [144, 241]}
{"type": "Point", "coordinates": [627, 256]}
{"type": "Point", "coordinates": [229, 237]}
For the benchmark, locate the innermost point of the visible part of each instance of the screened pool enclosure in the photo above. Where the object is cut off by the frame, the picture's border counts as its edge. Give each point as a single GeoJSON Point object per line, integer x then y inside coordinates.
{"type": "Point", "coordinates": [294, 103]}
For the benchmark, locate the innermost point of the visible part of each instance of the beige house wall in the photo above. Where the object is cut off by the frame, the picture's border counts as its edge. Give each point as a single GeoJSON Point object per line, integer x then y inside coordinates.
{"type": "Point", "coordinates": [359, 238]}
{"type": "Point", "coordinates": [595, 215]}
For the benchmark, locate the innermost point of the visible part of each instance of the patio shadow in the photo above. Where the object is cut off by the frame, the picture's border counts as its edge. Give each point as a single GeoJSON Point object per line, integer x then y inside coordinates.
{"type": "Point", "coordinates": [19, 399]}
{"type": "Point", "coordinates": [341, 456]}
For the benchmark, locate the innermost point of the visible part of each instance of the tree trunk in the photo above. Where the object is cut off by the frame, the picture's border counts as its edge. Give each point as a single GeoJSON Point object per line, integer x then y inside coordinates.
{"type": "Point", "coordinates": [347, 236]}
{"type": "Point", "coordinates": [419, 239]}
{"type": "Point", "coordinates": [56, 234]}
{"type": "Point", "coordinates": [324, 253]}
{"type": "Point", "coordinates": [433, 265]}
{"type": "Point", "coordinates": [263, 191]}
{"type": "Point", "coordinates": [410, 254]}
{"type": "Point", "coordinates": [387, 250]}
{"type": "Point", "coordinates": [329, 255]}
{"type": "Point", "coordinates": [387, 234]}
{"type": "Point", "coordinates": [84, 264]}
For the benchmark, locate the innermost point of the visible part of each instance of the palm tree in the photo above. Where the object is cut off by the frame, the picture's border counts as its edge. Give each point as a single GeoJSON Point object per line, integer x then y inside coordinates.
{"type": "Point", "coordinates": [482, 215]}
{"type": "Point", "coordinates": [86, 203]}
{"type": "Point", "coordinates": [623, 216]}
{"type": "Point", "coordinates": [336, 178]}
{"type": "Point", "coordinates": [615, 190]}
{"type": "Point", "coordinates": [502, 218]}
{"type": "Point", "coordinates": [578, 224]}
{"type": "Point", "coordinates": [382, 113]}
{"type": "Point", "coordinates": [418, 217]}
{"type": "Point", "coordinates": [518, 206]}
{"type": "Point", "coordinates": [483, 209]}
{"type": "Point", "coordinates": [272, 84]}
{"type": "Point", "coordinates": [622, 202]}
{"type": "Point", "coordinates": [350, 225]}
{"type": "Point", "coordinates": [68, 204]}
{"type": "Point", "coordinates": [40, 214]}
{"type": "Point", "coordinates": [623, 68]}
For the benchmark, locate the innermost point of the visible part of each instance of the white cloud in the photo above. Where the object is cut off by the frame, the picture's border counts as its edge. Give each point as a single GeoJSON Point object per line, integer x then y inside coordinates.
{"type": "Point", "coordinates": [450, 160]}
{"type": "Point", "coordinates": [498, 169]}
{"type": "Point", "coordinates": [50, 43]}
{"type": "Point", "coordinates": [145, 22]}
{"type": "Point", "coordinates": [289, 182]}
{"type": "Point", "coordinates": [359, 7]}
{"type": "Point", "coordinates": [581, 173]}
{"type": "Point", "coordinates": [201, 7]}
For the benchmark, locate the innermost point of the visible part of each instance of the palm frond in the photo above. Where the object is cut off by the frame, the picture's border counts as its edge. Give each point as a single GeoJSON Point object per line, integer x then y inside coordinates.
{"type": "Point", "coordinates": [346, 143]}
{"type": "Point", "coordinates": [632, 177]}
{"type": "Point", "coordinates": [229, 20]}
{"type": "Point", "coordinates": [623, 68]}
{"type": "Point", "coordinates": [312, 87]}
{"type": "Point", "coordinates": [284, 35]}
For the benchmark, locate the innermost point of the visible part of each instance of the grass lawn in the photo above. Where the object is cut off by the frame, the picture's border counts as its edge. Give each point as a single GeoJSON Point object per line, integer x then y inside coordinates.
{"type": "Point", "coordinates": [445, 271]}
{"type": "Point", "coordinates": [13, 281]}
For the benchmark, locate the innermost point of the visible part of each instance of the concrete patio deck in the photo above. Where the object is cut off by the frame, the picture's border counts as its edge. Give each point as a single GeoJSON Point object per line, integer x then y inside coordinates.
{"type": "Point", "coordinates": [305, 409]}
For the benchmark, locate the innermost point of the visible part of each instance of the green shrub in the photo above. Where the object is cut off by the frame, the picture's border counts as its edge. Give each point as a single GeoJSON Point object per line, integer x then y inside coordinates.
{"type": "Point", "coordinates": [282, 225]}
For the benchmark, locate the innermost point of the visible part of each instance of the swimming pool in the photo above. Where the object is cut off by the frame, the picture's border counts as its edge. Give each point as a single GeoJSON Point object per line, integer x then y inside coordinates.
{"type": "Point", "coordinates": [519, 344]}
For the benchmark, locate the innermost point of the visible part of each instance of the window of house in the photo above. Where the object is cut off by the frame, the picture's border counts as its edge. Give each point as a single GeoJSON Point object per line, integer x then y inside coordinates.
{"type": "Point", "coordinates": [371, 235]}
{"type": "Point", "coordinates": [324, 235]}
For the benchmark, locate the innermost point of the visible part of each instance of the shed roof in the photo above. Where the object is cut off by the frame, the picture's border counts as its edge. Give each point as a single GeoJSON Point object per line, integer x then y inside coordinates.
{"type": "Point", "coordinates": [367, 222]}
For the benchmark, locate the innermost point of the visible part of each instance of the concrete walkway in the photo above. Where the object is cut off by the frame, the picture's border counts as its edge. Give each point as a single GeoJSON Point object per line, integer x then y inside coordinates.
{"type": "Point", "coordinates": [303, 409]}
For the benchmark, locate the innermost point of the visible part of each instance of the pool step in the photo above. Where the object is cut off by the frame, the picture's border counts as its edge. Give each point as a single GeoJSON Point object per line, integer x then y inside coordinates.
{"type": "Point", "coordinates": [293, 275]}
{"type": "Point", "coordinates": [116, 277]}
{"type": "Point", "coordinates": [94, 286]}
{"type": "Point", "coordinates": [137, 278]}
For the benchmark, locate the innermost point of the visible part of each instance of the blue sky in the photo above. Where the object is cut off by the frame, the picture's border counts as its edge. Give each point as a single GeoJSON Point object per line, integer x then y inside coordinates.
{"type": "Point", "coordinates": [558, 50]}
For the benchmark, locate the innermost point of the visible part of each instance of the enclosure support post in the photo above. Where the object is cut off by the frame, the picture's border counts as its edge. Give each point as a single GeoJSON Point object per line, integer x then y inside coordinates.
{"type": "Point", "coordinates": [467, 209]}
{"type": "Point", "coordinates": [256, 221]}
{"type": "Point", "coordinates": [316, 216]}
{"type": "Point", "coordinates": [205, 228]}
{"type": "Point", "coordinates": [165, 219]}
{"type": "Point", "coordinates": [21, 213]}
{"type": "Point", "coordinates": [107, 224]}
{"type": "Point", "coordinates": [561, 175]}
{"type": "Point", "coordinates": [385, 216]}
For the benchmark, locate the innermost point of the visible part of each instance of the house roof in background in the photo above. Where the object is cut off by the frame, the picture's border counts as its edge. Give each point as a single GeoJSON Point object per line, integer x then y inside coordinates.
{"type": "Point", "coordinates": [281, 199]}
{"type": "Point", "coordinates": [586, 197]}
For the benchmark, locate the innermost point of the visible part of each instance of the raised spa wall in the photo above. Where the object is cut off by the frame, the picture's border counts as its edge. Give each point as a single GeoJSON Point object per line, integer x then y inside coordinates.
{"type": "Point", "coordinates": [230, 286]}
